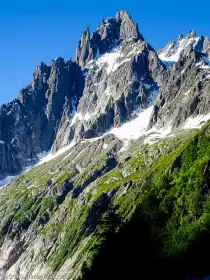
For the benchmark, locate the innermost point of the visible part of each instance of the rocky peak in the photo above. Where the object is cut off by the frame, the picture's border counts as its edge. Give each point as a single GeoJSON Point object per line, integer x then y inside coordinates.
{"type": "Point", "coordinates": [83, 52]}
{"type": "Point", "coordinates": [181, 36]}
{"type": "Point", "coordinates": [116, 75]}
{"type": "Point", "coordinates": [121, 77]}
{"type": "Point", "coordinates": [186, 81]}
{"type": "Point", "coordinates": [174, 50]}
{"type": "Point", "coordinates": [128, 29]}
{"type": "Point", "coordinates": [41, 71]}
{"type": "Point", "coordinates": [206, 46]}
{"type": "Point", "coordinates": [109, 34]}
{"type": "Point", "coordinates": [191, 34]}
{"type": "Point", "coordinates": [168, 49]}
{"type": "Point", "coordinates": [28, 125]}
{"type": "Point", "coordinates": [31, 96]}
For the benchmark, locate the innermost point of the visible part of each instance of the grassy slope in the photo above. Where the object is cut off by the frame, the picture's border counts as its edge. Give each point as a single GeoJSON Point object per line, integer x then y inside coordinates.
{"type": "Point", "coordinates": [154, 205]}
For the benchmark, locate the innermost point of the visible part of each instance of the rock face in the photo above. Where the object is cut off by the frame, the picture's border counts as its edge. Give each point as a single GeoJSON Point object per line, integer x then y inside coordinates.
{"type": "Point", "coordinates": [28, 125]}
{"type": "Point", "coordinates": [185, 86]}
{"type": "Point", "coordinates": [174, 49]}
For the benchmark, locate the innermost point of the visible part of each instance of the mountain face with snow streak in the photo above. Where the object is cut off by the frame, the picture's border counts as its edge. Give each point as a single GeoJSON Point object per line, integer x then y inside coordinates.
{"type": "Point", "coordinates": [110, 33]}
{"type": "Point", "coordinates": [116, 73]}
{"type": "Point", "coordinates": [116, 76]}
{"type": "Point", "coordinates": [184, 89]}
{"type": "Point", "coordinates": [122, 72]}
{"type": "Point", "coordinates": [175, 49]}
{"type": "Point", "coordinates": [28, 124]}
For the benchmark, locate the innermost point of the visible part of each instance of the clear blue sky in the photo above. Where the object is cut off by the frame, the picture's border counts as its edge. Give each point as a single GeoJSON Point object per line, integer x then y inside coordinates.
{"type": "Point", "coordinates": [35, 31]}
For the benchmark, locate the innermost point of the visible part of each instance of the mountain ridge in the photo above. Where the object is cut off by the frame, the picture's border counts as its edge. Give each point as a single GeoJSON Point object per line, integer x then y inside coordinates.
{"type": "Point", "coordinates": [65, 102]}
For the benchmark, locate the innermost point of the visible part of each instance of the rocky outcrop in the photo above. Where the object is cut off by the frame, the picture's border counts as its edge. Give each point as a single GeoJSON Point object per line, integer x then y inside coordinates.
{"type": "Point", "coordinates": [29, 124]}
{"type": "Point", "coordinates": [174, 49]}
{"type": "Point", "coordinates": [184, 88]}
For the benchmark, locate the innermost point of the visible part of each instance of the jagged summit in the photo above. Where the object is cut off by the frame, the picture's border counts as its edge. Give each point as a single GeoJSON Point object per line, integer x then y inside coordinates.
{"type": "Point", "coordinates": [183, 46]}
{"type": "Point", "coordinates": [50, 111]}
{"type": "Point", "coordinates": [184, 92]}
{"type": "Point", "coordinates": [117, 78]}
{"type": "Point", "coordinates": [121, 71]}
{"type": "Point", "coordinates": [181, 36]}
{"type": "Point", "coordinates": [191, 34]}
{"type": "Point", "coordinates": [123, 14]}
{"type": "Point", "coordinates": [109, 34]}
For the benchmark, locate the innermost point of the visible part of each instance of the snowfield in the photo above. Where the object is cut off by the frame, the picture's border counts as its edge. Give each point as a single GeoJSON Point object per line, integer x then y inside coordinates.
{"type": "Point", "coordinates": [134, 129]}
{"type": "Point", "coordinates": [128, 132]}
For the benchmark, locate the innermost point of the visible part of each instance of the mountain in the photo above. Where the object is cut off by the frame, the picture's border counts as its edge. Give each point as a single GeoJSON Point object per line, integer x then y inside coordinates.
{"type": "Point", "coordinates": [184, 92]}
{"type": "Point", "coordinates": [28, 124]}
{"type": "Point", "coordinates": [122, 72]}
{"type": "Point", "coordinates": [116, 75]}
{"type": "Point", "coordinates": [123, 191]}
{"type": "Point", "coordinates": [174, 49]}
{"type": "Point", "coordinates": [73, 100]}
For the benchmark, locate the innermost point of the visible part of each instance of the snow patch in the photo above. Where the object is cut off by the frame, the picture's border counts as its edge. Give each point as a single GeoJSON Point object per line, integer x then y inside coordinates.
{"type": "Point", "coordinates": [135, 128]}
{"type": "Point", "coordinates": [45, 157]}
{"type": "Point", "coordinates": [198, 63]}
{"type": "Point", "coordinates": [9, 112]}
{"type": "Point", "coordinates": [73, 121]}
{"type": "Point", "coordinates": [204, 63]}
{"type": "Point", "coordinates": [138, 127]}
{"type": "Point", "coordinates": [94, 138]}
{"type": "Point", "coordinates": [79, 116]}
{"type": "Point", "coordinates": [196, 122]}
{"type": "Point", "coordinates": [86, 117]}
{"type": "Point", "coordinates": [205, 67]}
{"type": "Point", "coordinates": [169, 61]}
{"type": "Point", "coordinates": [111, 60]}
{"type": "Point", "coordinates": [118, 64]}
{"type": "Point", "coordinates": [8, 179]}
{"type": "Point", "coordinates": [187, 93]}
{"type": "Point", "coordinates": [155, 134]}
{"type": "Point", "coordinates": [108, 91]}
{"type": "Point", "coordinates": [105, 146]}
